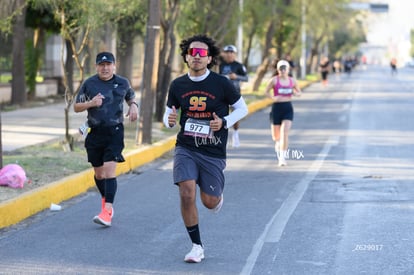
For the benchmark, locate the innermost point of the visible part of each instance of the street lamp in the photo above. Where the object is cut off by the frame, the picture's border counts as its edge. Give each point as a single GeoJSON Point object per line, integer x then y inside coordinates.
{"type": "Point", "coordinates": [303, 54]}
{"type": "Point", "coordinates": [240, 33]}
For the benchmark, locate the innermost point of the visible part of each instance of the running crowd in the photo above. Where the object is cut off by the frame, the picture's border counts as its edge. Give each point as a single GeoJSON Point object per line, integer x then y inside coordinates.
{"type": "Point", "coordinates": [203, 104]}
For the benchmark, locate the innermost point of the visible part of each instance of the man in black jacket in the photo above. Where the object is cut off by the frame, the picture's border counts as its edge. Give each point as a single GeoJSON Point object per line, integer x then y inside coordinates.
{"type": "Point", "coordinates": [237, 73]}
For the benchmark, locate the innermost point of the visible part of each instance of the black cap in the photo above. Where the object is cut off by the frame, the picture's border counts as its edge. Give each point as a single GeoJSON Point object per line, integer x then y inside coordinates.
{"type": "Point", "coordinates": [105, 57]}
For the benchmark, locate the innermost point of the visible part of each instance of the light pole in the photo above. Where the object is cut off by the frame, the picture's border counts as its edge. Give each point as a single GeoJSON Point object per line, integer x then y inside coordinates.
{"type": "Point", "coordinates": [240, 33]}
{"type": "Point", "coordinates": [303, 54]}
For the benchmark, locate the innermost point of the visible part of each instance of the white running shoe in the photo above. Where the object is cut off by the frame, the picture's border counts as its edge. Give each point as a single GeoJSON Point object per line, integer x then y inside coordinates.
{"type": "Point", "coordinates": [235, 139]}
{"type": "Point", "coordinates": [218, 206]}
{"type": "Point", "coordinates": [195, 255]}
{"type": "Point", "coordinates": [282, 162]}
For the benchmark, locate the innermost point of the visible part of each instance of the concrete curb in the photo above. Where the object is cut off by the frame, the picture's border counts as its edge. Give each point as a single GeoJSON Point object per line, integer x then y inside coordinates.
{"type": "Point", "coordinates": [17, 209]}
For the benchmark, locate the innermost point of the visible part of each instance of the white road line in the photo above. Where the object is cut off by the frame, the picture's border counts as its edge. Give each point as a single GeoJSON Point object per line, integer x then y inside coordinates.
{"type": "Point", "coordinates": [275, 227]}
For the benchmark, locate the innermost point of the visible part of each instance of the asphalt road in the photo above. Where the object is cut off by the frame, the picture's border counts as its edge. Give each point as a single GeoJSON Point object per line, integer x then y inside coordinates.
{"type": "Point", "coordinates": [343, 205]}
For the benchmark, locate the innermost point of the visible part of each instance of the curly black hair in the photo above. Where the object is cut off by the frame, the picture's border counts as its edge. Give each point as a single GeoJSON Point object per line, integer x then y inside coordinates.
{"type": "Point", "coordinates": [213, 50]}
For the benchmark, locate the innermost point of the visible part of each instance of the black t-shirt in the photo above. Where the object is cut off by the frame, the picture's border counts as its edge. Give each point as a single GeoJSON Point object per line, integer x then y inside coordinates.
{"type": "Point", "coordinates": [234, 67]}
{"type": "Point", "coordinates": [198, 101]}
{"type": "Point", "coordinates": [115, 91]}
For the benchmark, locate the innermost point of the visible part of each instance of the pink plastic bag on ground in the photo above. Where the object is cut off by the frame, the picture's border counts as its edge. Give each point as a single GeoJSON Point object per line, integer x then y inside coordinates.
{"type": "Point", "coordinates": [12, 175]}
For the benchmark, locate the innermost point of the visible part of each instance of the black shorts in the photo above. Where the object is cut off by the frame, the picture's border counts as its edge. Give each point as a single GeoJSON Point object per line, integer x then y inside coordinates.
{"type": "Point", "coordinates": [281, 111]}
{"type": "Point", "coordinates": [105, 144]}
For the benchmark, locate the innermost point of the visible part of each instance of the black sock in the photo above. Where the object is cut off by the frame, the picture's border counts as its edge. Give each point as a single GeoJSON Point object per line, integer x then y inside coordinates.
{"type": "Point", "coordinates": [194, 233]}
{"type": "Point", "coordinates": [110, 189]}
{"type": "Point", "coordinates": [101, 186]}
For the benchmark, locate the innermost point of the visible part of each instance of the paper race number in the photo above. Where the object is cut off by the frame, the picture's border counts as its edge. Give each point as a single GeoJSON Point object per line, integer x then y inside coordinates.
{"type": "Point", "coordinates": [285, 91]}
{"type": "Point", "coordinates": [195, 127]}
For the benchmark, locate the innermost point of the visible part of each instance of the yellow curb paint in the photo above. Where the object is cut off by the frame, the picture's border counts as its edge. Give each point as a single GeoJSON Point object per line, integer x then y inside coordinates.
{"type": "Point", "coordinates": [17, 209]}
{"type": "Point", "coordinates": [30, 203]}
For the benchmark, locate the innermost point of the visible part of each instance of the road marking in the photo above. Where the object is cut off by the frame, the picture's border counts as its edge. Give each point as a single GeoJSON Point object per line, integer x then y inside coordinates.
{"type": "Point", "coordinates": [275, 227]}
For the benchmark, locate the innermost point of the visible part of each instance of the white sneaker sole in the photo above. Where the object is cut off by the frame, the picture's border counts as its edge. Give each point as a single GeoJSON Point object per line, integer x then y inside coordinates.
{"type": "Point", "coordinates": [194, 260]}
{"type": "Point", "coordinates": [195, 255]}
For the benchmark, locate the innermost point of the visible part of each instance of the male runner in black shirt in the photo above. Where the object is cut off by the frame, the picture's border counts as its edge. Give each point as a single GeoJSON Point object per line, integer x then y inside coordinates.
{"type": "Point", "coordinates": [103, 95]}
{"type": "Point", "coordinates": [237, 73]}
{"type": "Point", "coordinates": [204, 98]}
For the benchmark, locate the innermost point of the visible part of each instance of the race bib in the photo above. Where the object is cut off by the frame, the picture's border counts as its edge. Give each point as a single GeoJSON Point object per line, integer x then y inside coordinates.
{"type": "Point", "coordinates": [285, 91]}
{"type": "Point", "coordinates": [195, 127]}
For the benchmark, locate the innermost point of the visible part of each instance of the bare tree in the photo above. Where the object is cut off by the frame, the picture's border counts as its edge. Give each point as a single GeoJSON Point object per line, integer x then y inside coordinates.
{"type": "Point", "coordinates": [77, 18]}
{"type": "Point", "coordinates": [70, 91]}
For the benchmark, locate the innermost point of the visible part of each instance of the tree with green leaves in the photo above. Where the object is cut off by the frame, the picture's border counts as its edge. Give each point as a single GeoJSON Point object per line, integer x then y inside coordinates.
{"type": "Point", "coordinates": [43, 23]}
{"type": "Point", "coordinates": [178, 20]}
{"type": "Point", "coordinates": [77, 19]}
{"type": "Point", "coordinates": [326, 19]}
{"type": "Point", "coordinates": [13, 13]}
{"type": "Point", "coordinates": [81, 21]}
{"type": "Point", "coordinates": [218, 19]}
{"type": "Point", "coordinates": [130, 20]}
{"type": "Point", "coordinates": [168, 44]}
{"type": "Point", "coordinates": [272, 21]}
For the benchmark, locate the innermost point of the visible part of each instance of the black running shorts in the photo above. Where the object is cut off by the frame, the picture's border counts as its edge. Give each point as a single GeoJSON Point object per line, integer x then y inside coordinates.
{"type": "Point", "coordinates": [281, 111]}
{"type": "Point", "coordinates": [105, 144]}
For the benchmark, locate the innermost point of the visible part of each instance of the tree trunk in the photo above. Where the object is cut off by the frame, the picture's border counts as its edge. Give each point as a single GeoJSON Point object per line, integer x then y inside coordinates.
{"type": "Point", "coordinates": [167, 55]}
{"type": "Point", "coordinates": [163, 69]}
{"type": "Point", "coordinates": [164, 82]}
{"type": "Point", "coordinates": [262, 69]}
{"type": "Point", "coordinates": [260, 73]}
{"type": "Point", "coordinates": [69, 66]}
{"type": "Point", "coordinates": [312, 62]}
{"type": "Point", "coordinates": [19, 96]}
{"type": "Point", "coordinates": [70, 141]}
{"type": "Point", "coordinates": [250, 38]}
{"type": "Point", "coordinates": [125, 52]}
{"type": "Point", "coordinates": [280, 37]}
{"type": "Point", "coordinates": [150, 72]}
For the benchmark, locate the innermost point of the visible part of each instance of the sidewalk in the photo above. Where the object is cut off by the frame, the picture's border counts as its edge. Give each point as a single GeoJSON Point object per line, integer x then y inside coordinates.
{"type": "Point", "coordinates": [32, 126]}
{"type": "Point", "coordinates": [25, 127]}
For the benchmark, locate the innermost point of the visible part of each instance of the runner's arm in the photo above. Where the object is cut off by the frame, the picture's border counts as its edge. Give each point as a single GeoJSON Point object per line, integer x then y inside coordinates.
{"type": "Point", "coordinates": [167, 112]}
{"type": "Point", "coordinates": [240, 110]}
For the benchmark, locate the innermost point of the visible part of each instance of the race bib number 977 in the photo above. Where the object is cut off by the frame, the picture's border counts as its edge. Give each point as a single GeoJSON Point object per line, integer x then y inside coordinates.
{"type": "Point", "coordinates": [195, 127]}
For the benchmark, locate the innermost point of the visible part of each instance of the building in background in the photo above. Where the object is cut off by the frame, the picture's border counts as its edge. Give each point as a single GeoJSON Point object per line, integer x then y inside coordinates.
{"type": "Point", "coordinates": [389, 24]}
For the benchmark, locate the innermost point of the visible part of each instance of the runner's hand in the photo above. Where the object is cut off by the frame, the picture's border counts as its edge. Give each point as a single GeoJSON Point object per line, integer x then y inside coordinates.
{"type": "Point", "coordinates": [216, 123]}
{"type": "Point", "coordinates": [132, 112]}
{"type": "Point", "coordinates": [172, 118]}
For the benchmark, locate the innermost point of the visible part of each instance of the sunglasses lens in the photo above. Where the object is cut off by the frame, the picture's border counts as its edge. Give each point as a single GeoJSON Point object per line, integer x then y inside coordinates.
{"type": "Point", "coordinates": [199, 51]}
{"type": "Point", "coordinates": [283, 68]}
